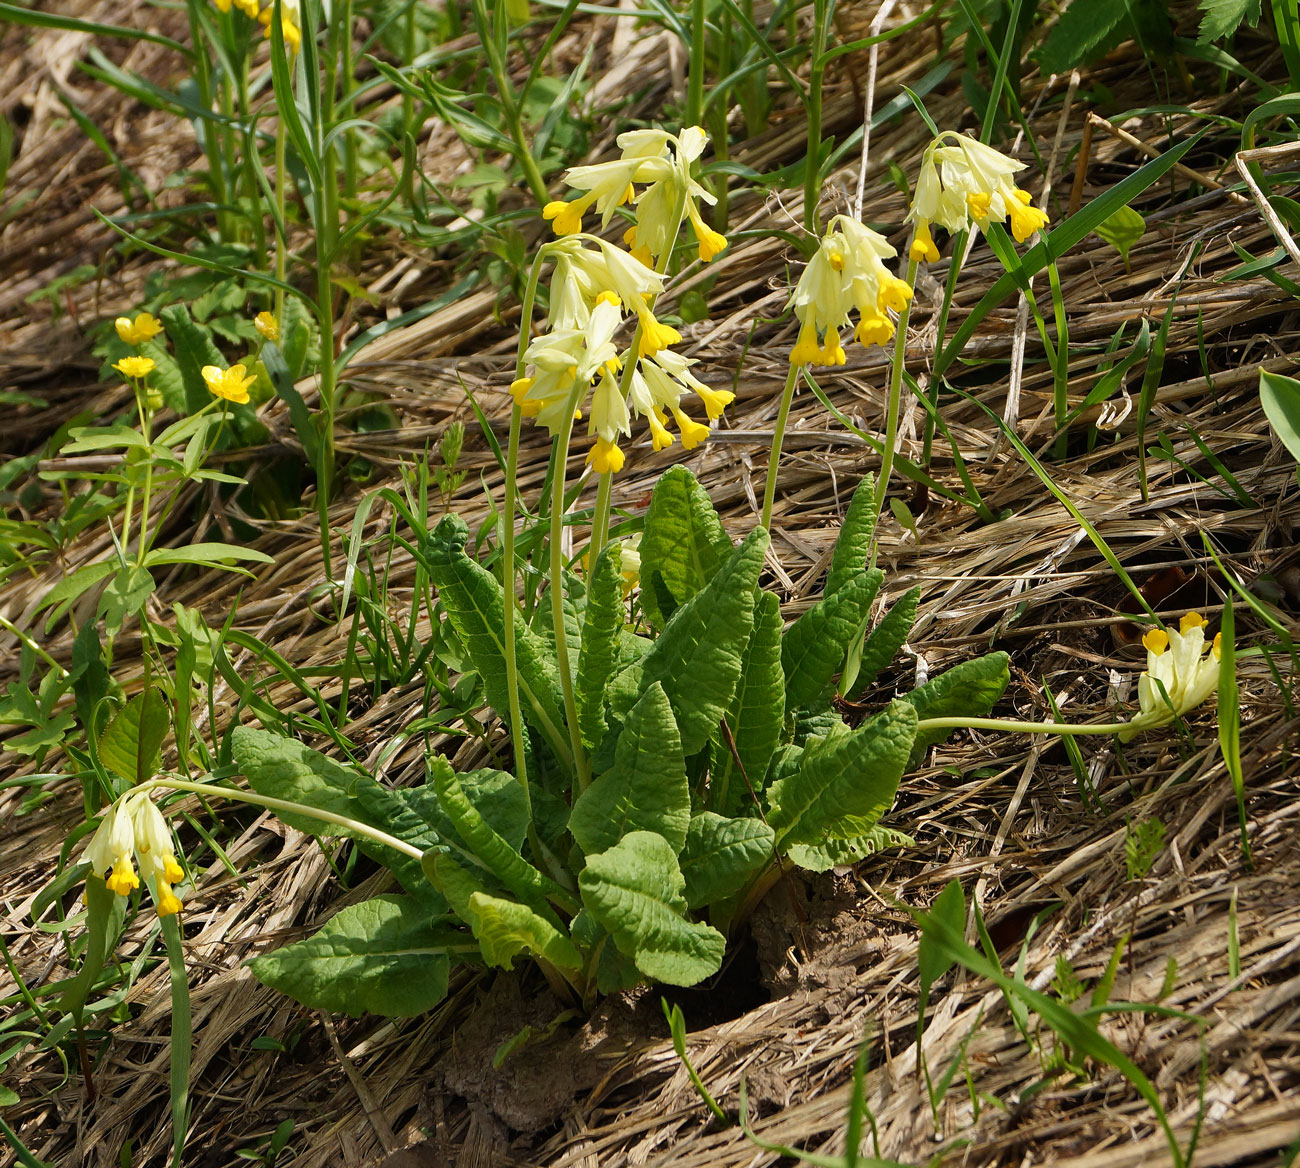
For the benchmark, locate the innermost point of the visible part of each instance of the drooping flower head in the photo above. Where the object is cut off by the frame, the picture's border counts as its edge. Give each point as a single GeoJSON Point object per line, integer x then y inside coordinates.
{"type": "Point", "coordinates": [662, 163]}
{"type": "Point", "coordinates": [145, 327]}
{"type": "Point", "coordinates": [847, 273]}
{"type": "Point", "coordinates": [963, 181]}
{"type": "Point", "coordinates": [595, 289]}
{"type": "Point", "coordinates": [1179, 675]}
{"type": "Point", "coordinates": [133, 825]}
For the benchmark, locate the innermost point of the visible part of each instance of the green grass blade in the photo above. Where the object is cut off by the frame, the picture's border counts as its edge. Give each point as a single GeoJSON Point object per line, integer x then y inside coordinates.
{"type": "Point", "coordinates": [1230, 717]}
{"type": "Point", "coordinates": [181, 1035]}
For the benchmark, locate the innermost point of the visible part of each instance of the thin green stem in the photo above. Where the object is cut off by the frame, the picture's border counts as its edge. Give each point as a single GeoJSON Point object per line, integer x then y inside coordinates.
{"type": "Point", "coordinates": [251, 163]}
{"type": "Point", "coordinates": [26, 639]}
{"type": "Point", "coordinates": [273, 804]}
{"type": "Point", "coordinates": [895, 395]}
{"type": "Point", "coordinates": [211, 143]}
{"type": "Point", "coordinates": [1015, 727]}
{"type": "Point", "coordinates": [778, 437]}
{"type": "Point", "coordinates": [812, 161]}
{"type": "Point", "coordinates": [282, 228]}
{"type": "Point", "coordinates": [581, 764]}
{"type": "Point", "coordinates": [600, 519]}
{"type": "Point", "coordinates": [695, 82]}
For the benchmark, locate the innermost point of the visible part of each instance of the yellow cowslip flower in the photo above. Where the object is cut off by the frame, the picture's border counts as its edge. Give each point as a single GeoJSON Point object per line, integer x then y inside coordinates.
{"type": "Point", "coordinates": [660, 161]}
{"type": "Point", "coordinates": [247, 7]}
{"type": "Point", "coordinates": [588, 270]}
{"type": "Point", "coordinates": [562, 358]}
{"type": "Point", "coordinates": [605, 457]}
{"type": "Point", "coordinates": [153, 848]}
{"type": "Point", "coordinates": [109, 850]}
{"type": "Point", "coordinates": [231, 384]}
{"type": "Point", "coordinates": [145, 327]}
{"type": "Point", "coordinates": [265, 322]}
{"type": "Point", "coordinates": [847, 272]}
{"type": "Point", "coordinates": [290, 20]}
{"type": "Point", "coordinates": [629, 562]}
{"type": "Point", "coordinates": [134, 368]}
{"type": "Point", "coordinates": [963, 180]}
{"type": "Point", "coordinates": [1179, 675]}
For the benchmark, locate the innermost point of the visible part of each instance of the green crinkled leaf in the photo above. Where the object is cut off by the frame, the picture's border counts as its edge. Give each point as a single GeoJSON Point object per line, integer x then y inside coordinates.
{"type": "Point", "coordinates": [475, 605]}
{"type": "Point", "coordinates": [841, 853]}
{"type": "Point", "coordinates": [497, 795]}
{"type": "Point", "coordinates": [505, 928]}
{"type": "Point", "coordinates": [645, 790]}
{"type": "Point", "coordinates": [845, 781]}
{"type": "Point", "coordinates": [635, 891]}
{"type": "Point", "coordinates": [722, 855]}
{"type": "Point", "coordinates": [601, 626]}
{"type": "Point", "coordinates": [698, 656]}
{"type": "Point", "coordinates": [1086, 30]}
{"type": "Point", "coordinates": [131, 743]}
{"type": "Point", "coordinates": [683, 543]}
{"type": "Point", "coordinates": [1221, 18]}
{"type": "Point", "coordinates": [814, 647]}
{"type": "Point", "coordinates": [967, 690]}
{"type": "Point", "coordinates": [487, 845]}
{"type": "Point", "coordinates": [853, 544]}
{"type": "Point", "coordinates": [456, 883]}
{"type": "Point", "coordinates": [886, 639]}
{"type": "Point", "coordinates": [755, 716]}
{"type": "Point", "coordinates": [286, 769]}
{"type": "Point", "coordinates": [194, 348]}
{"type": "Point", "coordinates": [382, 956]}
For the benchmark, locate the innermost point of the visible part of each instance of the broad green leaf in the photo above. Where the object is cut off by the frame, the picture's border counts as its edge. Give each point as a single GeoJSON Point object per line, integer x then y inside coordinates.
{"type": "Point", "coordinates": [504, 928]}
{"type": "Point", "coordinates": [601, 626]}
{"type": "Point", "coordinates": [853, 544]}
{"type": "Point", "coordinates": [1122, 230]}
{"type": "Point", "coordinates": [1221, 18]}
{"type": "Point", "coordinates": [490, 848]}
{"type": "Point", "coordinates": [684, 542]}
{"type": "Point", "coordinates": [645, 790]}
{"type": "Point", "coordinates": [845, 781]}
{"type": "Point", "coordinates": [1280, 397]}
{"type": "Point", "coordinates": [635, 891]}
{"type": "Point", "coordinates": [125, 596]}
{"type": "Point", "coordinates": [205, 553]}
{"type": "Point", "coordinates": [698, 656]}
{"type": "Point", "coordinates": [814, 647]}
{"type": "Point", "coordinates": [967, 690]}
{"type": "Point", "coordinates": [886, 639]}
{"type": "Point", "coordinates": [1085, 30]}
{"type": "Point", "coordinates": [754, 718]}
{"type": "Point", "coordinates": [841, 853]}
{"type": "Point", "coordinates": [88, 438]}
{"type": "Point", "coordinates": [286, 769]}
{"type": "Point", "coordinates": [131, 743]}
{"type": "Point", "coordinates": [497, 795]}
{"type": "Point", "coordinates": [66, 591]}
{"type": "Point", "coordinates": [475, 606]}
{"type": "Point", "coordinates": [722, 855]}
{"type": "Point", "coordinates": [382, 956]}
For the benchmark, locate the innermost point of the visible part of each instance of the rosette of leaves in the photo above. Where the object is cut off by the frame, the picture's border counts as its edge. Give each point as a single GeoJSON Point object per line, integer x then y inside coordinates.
{"type": "Point", "coordinates": [718, 755]}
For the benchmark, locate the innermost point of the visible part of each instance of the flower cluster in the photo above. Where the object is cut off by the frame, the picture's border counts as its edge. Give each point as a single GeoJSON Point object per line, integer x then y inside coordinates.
{"type": "Point", "coordinates": [964, 181]}
{"type": "Point", "coordinates": [134, 827]}
{"type": "Point", "coordinates": [659, 161]}
{"type": "Point", "coordinates": [595, 288]}
{"type": "Point", "coordinates": [845, 274]}
{"type": "Point", "coordinates": [290, 21]}
{"type": "Point", "coordinates": [1179, 676]}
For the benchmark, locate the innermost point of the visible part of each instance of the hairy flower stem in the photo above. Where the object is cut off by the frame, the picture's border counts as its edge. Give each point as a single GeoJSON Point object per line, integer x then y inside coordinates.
{"type": "Point", "coordinates": [600, 519]}
{"type": "Point", "coordinates": [508, 538]}
{"type": "Point", "coordinates": [778, 436]}
{"type": "Point", "coordinates": [892, 406]}
{"type": "Point", "coordinates": [1014, 727]}
{"type": "Point", "coordinates": [580, 761]}
{"type": "Point", "coordinates": [273, 804]}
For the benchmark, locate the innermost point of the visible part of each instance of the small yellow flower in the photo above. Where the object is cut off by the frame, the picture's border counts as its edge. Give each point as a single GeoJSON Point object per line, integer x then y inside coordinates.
{"type": "Point", "coordinates": [692, 432]}
{"type": "Point", "coordinates": [923, 248]}
{"type": "Point", "coordinates": [231, 384]}
{"type": "Point", "coordinates": [656, 335]}
{"type": "Point", "coordinates": [265, 322]}
{"type": "Point", "coordinates": [247, 7]}
{"type": "Point", "coordinates": [1179, 675]}
{"type": "Point", "coordinates": [565, 218]}
{"type": "Point", "coordinates": [605, 457]}
{"type": "Point", "coordinates": [288, 24]}
{"type": "Point", "coordinates": [145, 327]}
{"type": "Point", "coordinates": [223, 6]}
{"type": "Point", "coordinates": [135, 367]}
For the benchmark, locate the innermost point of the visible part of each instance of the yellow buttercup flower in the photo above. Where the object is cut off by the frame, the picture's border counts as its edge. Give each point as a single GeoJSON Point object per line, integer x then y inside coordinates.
{"type": "Point", "coordinates": [232, 384]}
{"type": "Point", "coordinates": [265, 322]}
{"type": "Point", "coordinates": [135, 367]}
{"type": "Point", "coordinates": [1179, 675]}
{"type": "Point", "coordinates": [145, 327]}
